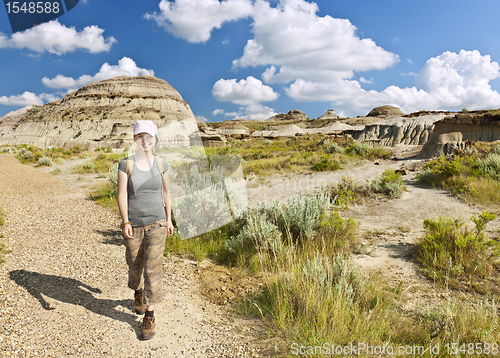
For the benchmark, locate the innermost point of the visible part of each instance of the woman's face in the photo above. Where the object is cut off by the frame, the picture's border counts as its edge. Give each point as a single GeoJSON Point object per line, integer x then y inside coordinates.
{"type": "Point", "coordinates": [145, 141]}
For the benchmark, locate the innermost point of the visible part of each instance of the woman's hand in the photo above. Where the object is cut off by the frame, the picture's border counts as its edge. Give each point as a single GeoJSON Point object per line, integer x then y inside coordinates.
{"type": "Point", "coordinates": [127, 232]}
{"type": "Point", "coordinates": [170, 227]}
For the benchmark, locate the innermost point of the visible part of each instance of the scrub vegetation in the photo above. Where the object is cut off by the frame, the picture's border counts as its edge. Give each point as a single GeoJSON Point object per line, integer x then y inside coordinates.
{"type": "Point", "coordinates": [460, 256]}
{"type": "Point", "coordinates": [265, 156]}
{"type": "Point", "coordinates": [473, 174]}
{"type": "Point", "coordinates": [315, 294]}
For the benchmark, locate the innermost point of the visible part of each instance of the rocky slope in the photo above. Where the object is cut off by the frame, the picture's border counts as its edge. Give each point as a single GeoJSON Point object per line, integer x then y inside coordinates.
{"type": "Point", "coordinates": [455, 132]}
{"type": "Point", "coordinates": [99, 114]}
{"type": "Point", "coordinates": [399, 130]}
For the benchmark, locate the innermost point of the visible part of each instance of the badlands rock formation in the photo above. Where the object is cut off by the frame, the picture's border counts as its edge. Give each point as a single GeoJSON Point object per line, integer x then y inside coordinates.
{"type": "Point", "coordinates": [386, 111]}
{"type": "Point", "coordinates": [330, 114]}
{"type": "Point", "coordinates": [101, 115]}
{"type": "Point", "coordinates": [399, 130]}
{"type": "Point", "coordinates": [454, 132]}
{"type": "Point", "coordinates": [233, 128]}
{"type": "Point", "coordinates": [293, 115]}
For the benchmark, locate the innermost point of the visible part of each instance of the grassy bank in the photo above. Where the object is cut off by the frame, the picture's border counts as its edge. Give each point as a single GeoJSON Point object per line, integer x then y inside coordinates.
{"type": "Point", "coordinates": [473, 174]}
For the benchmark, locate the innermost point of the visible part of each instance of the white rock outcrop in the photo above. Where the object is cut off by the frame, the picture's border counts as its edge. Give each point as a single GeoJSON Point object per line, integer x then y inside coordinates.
{"type": "Point", "coordinates": [98, 115]}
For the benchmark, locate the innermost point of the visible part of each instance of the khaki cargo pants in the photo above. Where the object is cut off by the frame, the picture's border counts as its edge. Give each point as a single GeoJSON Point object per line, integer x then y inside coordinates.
{"type": "Point", "coordinates": [144, 256]}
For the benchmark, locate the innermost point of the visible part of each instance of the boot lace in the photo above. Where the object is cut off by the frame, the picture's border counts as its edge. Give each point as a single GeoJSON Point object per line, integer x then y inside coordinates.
{"type": "Point", "coordinates": [147, 323]}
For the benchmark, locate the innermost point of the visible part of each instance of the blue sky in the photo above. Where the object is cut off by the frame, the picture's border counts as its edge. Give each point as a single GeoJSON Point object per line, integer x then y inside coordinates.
{"type": "Point", "coordinates": [255, 58]}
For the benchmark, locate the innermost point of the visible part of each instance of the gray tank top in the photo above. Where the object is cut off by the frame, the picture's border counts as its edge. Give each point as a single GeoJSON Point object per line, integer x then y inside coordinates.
{"type": "Point", "coordinates": [144, 195]}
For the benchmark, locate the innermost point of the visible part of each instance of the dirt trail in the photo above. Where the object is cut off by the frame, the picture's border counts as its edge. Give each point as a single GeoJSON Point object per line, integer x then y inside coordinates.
{"type": "Point", "coordinates": [63, 287]}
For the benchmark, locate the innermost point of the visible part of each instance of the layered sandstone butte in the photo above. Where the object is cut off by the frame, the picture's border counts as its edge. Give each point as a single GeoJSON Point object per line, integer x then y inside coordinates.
{"type": "Point", "coordinates": [100, 114]}
{"type": "Point", "coordinates": [454, 132]}
{"type": "Point", "coordinates": [386, 111]}
{"type": "Point", "coordinates": [395, 131]}
{"type": "Point", "coordinates": [293, 115]}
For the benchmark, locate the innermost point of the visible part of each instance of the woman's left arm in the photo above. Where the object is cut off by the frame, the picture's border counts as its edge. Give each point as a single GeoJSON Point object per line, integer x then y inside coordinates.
{"type": "Point", "coordinates": [168, 202]}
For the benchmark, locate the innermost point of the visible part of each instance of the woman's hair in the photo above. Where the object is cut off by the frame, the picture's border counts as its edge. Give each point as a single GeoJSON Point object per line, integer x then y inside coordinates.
{"type": "Point", "coordinates": [155, 146]}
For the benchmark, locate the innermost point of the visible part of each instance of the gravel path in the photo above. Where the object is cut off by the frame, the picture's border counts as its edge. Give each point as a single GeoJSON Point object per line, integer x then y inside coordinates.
{"type": "Point", "coordinates": [63, 287]}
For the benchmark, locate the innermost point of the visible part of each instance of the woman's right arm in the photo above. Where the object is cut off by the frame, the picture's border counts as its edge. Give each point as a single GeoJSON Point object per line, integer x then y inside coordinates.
{"type": "Point", "coordinates": [123, 204]}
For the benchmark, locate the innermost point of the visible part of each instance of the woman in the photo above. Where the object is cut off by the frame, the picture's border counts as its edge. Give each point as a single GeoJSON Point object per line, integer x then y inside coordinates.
{"type": "Point", "coordinates": [145, 208]}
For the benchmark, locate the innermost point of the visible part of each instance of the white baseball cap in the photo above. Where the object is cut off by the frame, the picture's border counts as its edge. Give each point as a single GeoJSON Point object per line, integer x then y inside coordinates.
{"type": "Point", "coordinates": [145, 126]}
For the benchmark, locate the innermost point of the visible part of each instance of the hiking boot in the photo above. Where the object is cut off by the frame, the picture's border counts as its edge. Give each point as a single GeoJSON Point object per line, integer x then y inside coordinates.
{"type": "Point", "coordinates": [139, 305]}
{"type": "Point", "coordinates": [148, 327]}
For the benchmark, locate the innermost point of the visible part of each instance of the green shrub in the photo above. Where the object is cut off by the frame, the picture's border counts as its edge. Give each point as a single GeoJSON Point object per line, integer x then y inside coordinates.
{"type": "Point", "coordinates": [490, 165]}
{"type": "Point", "coordinates": [8, 150]}
{"type": "Point", "coordinates": [390, 184]}
{"type": "Point", "coordinates": [257, 235]}
{"type": "Point", "coordinates": [88, 167]}
{"type": "Point", "coordinates": [361, 149]}
{"type": "Point", "coordinates": [45, 161]}
{"type": "Point", "coordinates": [450, 248]}
{"type": "Point", "coordinates": [298, 218]}
{"type": "Point", "coordinates": [113, 177]}
{"type": "Point", "coordinates": [76, 149]}
{"type": "Point", "coordinates": [326, 164]}
{"type": "Point", "coordinates": [335, 148]}
{"type": "Point", "coordinates": [334, 235]}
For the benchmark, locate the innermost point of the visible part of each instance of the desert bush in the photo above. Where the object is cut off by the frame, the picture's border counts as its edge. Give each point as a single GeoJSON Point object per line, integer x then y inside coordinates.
{"type": "Point", "coordinates": [77, 149]}
{"type": "Point", "coordinates": [269, 229]}
{"type": "Point", "coordinates": [335, 148]}
{"type": "Point", "coordinates": [207, 193]}
{"type": "Point", "coordinates": [8, 150]}
{"type": "Point", "coordinates": [88, 167]}
{"type": "Point", "coordinates": [451, 248]}
{"type": "Point", "coordinates": [359, 148]}
{"type": "Point", "coordinates": [490, 165]}
{"type": "Point", "coordinates": [298, 218]}
{"type": "Point", "coordinates": [45, 161]}
{"type": "Point", "coordinates": [326, 164]}
{"type": "Point", "coordinates": [113, 177]}
{"type": "Point", "coordinates": [390, 184]}
{"type": "Point", "coordinates": [259, 236]}
{"type": "Point", "coordinates": [334, 235]}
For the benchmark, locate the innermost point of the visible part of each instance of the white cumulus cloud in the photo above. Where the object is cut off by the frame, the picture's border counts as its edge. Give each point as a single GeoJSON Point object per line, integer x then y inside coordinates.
{"type": "Point", "coordinates": [457, 72]}
{"type": "Point", "coordinates": [125, 67]}
{"type": "Point", "coordinates": [450, 81]}
{"type": "Point", "coordinates": [245, 92]}
{"type": "Point", "coordinates": [298, 44]}
{"type": "Point", "coordinates": [21, 100]}
{"type": "Point", "coordinates": [218, 111]}
{"type": "Point", "coordinates": [194, 20]}
{"type": "Point", "coordinates": [257, 112]}
{"type": "Point", "coordinates": [58, 39]}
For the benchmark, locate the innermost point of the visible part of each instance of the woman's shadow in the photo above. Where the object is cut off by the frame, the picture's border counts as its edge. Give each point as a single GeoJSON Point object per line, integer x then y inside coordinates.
{"type": "Point", "coordinates": [72, 291]}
